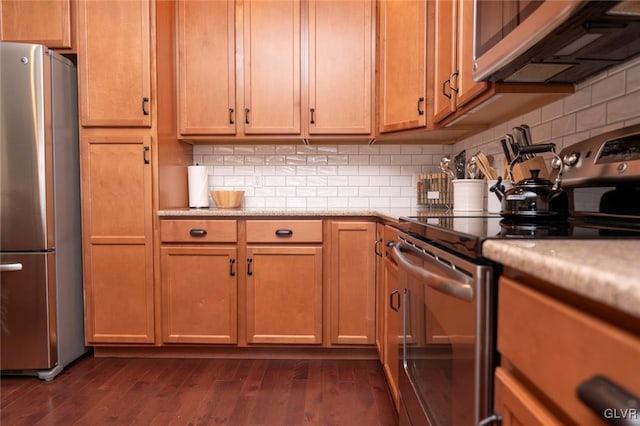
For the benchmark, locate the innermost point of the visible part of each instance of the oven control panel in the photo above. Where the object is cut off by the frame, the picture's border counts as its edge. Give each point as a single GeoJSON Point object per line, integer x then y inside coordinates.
{"type": "Point", "coordinates": [606, 159]}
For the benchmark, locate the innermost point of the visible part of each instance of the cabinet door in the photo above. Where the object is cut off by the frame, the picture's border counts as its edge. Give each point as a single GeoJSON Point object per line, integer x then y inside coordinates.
{"type": "Point", "coordinates": [117, 239]}
{"type": "Point", "coordinates": [284, 294]}
{"type": "Point", "coordinates": [340, 66]}
{"type": "Point", "coordinates": [114, 60]}
{"type": "Point", "coordinates": [393, 327]}
{"type": "Point", "coordinates": [45, 22]}
{"type": "Point", "coordinates": [403, 59]}
{"type": "Point", "coordinates": [206, 67]}
{"type": "Point", "coordinates": [199, 294]}
{"type": "Point", "coordinates": [444, 49]}
{"type": "Point", "coordinates": [271, 67]}
{"type": "Point", "coordinates": [467, 87]}
{"type": "Point", "coordinates": [352, 283]}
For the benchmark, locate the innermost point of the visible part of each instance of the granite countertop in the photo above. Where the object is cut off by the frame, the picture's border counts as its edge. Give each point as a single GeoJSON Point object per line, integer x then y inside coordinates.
{"type": "Point", "coordinates": [388, 214]}
{"type": "Point", "coordinates": [607, 271]}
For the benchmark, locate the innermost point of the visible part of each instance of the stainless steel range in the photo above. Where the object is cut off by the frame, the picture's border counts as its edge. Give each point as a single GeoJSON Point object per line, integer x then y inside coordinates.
{"type": "Point", "coordinates": [449, 289]}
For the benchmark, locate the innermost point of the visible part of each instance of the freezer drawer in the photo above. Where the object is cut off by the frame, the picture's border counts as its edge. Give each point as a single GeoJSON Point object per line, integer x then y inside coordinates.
{"type": "Point", "coordinates": [28, 314]}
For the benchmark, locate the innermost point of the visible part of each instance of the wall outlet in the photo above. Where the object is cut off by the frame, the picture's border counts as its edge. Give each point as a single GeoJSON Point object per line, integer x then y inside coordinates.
{"type": "Point", "coordinates": [257, 180]}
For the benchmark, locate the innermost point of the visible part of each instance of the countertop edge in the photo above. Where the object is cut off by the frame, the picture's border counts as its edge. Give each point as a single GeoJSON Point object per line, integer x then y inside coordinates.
{"type": "Point", "coordinates": [576, 265]}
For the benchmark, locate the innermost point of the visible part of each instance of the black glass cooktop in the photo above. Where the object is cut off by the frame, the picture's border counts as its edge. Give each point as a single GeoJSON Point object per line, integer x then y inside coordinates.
{"type": "Point", "coordinates": [465, 232]}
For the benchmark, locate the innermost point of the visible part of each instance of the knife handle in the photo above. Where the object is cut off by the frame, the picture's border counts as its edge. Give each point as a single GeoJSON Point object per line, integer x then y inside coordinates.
{"type": "Point", "coordinates": [505, 150]}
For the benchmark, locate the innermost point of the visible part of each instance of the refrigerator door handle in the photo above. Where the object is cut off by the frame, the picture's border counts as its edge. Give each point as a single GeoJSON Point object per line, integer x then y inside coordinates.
{"type": "Point", "coordinates": [10, 267]}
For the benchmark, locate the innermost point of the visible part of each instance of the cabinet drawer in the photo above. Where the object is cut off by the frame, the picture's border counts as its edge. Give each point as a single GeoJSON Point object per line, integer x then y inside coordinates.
{"type": "Point", "coordinates": [198, 231]}
{"type": "Point", "coordinates": [284, 231]}
{"type": "Point", "coordinates": [557, 347]}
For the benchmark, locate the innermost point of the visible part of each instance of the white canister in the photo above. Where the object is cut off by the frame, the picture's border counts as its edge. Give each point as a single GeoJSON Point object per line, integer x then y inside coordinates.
{"type": "Point", "coordinates": [494, 205]}
{"type": "Point", "coordinates": [468, 195]}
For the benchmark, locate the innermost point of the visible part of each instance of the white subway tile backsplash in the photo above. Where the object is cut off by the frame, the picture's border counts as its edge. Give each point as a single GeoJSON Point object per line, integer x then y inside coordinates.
{"type": "Point", "coordinates": [379, 176]}
{"type": "Point", "coordinates": [590, 118]}
{"type": "Point", "coordinates": [609, 88]}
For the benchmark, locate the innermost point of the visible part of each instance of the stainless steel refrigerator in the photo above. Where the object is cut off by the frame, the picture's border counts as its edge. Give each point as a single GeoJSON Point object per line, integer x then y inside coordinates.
{"type": "Point", "coordinates": [40, 248]}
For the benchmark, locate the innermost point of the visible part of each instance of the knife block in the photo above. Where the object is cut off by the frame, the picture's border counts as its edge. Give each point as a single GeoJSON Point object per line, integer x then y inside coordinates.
{"type": "Point", "coordinates": [522, 170]}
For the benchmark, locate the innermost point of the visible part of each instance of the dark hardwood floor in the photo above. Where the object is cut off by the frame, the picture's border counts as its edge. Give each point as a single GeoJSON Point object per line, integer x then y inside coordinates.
{"type": "Point", "coordinates": [95, 391]}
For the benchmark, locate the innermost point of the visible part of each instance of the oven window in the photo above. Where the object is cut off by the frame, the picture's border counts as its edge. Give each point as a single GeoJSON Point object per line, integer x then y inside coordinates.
{"type": "Point", "coordinates": [496, 19]}
{"type": "Point", "coordinates": [440, 353]}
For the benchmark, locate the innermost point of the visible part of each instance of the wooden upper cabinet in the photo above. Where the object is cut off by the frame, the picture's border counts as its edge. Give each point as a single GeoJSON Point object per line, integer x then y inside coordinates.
{"type": "Point", "coordinates": [468, 88]}
{"type": "Point", "coordinates": [444, 49]}
{"type": "Point", "coordinates": [271, 71]}
{"type": "Point", "coordinates": [340, 66]}
{"type": "Point", "coordinates": [45, 22]}
{"type": "Point", "coordinates": [206, 68]}
{"type": "Point", "coordinates": [454, 85]}
{"type": "Point", "coordinates": [114, 63]}
{"type": "Point", "coordinates": [403, 56]}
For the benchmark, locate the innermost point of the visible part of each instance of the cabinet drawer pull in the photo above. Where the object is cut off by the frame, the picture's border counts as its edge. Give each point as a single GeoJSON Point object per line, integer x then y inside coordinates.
{"type": "Point", "coordinates": [198, 232]}
{"type": "Point", "coordinates": [231, 116]}
{"type": "Point", "coordinates": [313, 118]}
{"type": "Point", "coordinates": [249, 262]}
{"type": "Point", "coordinates": [284, 232]}
{"type": "Point", "coordinates": [145, 159]}
{"type": "Point", "coordinates": [607, 400]}
{"type": "Point", "coordinates": [231, 271]}
{"type": "Point", "coordinates": [246, 115]}
{"type": "Point", "coordinates": [145, 100]}
{"type": "Point", "coordinates": [420, 102]}
{"type": "Point", "coordinates": [446, 83]}
{"type": "Point", "coordinates": [375, 247]}
{"type": "Point", "coordinates": [394, 306]}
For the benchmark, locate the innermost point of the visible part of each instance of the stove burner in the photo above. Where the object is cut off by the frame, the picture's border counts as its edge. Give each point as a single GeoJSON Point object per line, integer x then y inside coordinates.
{"type": "Point", "coordinates": [519, 228]}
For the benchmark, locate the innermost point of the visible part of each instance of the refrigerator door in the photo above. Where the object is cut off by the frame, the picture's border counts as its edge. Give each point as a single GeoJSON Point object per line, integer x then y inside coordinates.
{"type": "Point", "coordinates": [28, 338]}
{"type": "Point", "coordinates": [25, 145]}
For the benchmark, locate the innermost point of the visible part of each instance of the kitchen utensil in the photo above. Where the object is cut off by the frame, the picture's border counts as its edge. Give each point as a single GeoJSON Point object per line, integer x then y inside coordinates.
{"type": "Point", "coordinates": [445, 166]}
{"type": "Point", "coordinates": [459, 164]}
{"type": "Point", "coordinates": [485, 166]}
{"type": "Point", "coordinates": [468, 195]}
{"type": "Point", "coordinates": [528, 140]}
{"type": "Point", "coordinates": [227, 199]}
{"type": "Point", "coordinates": [472, 168]}
{"type": "Point", "coordinates": [514, 148]}
{"type": "Point", "coordinates": [505, 149]}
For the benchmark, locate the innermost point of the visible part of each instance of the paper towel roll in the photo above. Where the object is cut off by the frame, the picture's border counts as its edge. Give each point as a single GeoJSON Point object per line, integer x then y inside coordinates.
{"type": "Point", "coordinates": [198, 186]}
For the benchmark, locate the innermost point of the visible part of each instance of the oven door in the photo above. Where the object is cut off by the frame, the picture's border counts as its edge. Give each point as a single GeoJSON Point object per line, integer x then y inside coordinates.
{"type": "Point", "coordinates": [447, 362]}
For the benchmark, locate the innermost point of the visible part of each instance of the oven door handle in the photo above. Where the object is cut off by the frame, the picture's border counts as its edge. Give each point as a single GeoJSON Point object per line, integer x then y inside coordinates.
{"type": "Point", "coordinates": [442, 284]}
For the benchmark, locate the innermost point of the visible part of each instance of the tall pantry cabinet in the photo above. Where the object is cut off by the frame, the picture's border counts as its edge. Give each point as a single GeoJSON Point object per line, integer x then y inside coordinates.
{"type": "Point", "coordinates": [115, 64]}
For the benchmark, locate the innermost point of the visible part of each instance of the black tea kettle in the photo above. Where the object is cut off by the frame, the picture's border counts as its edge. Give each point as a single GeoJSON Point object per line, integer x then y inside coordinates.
{"type": "Point", "coordinates": [534, 198]}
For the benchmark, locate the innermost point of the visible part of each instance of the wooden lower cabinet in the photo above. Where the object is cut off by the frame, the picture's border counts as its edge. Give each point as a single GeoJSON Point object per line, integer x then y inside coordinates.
{"type": "Point", "coordinates": [284, 294]}
{"type": "Point", "coordinates": [117, 239]}
{"type": "Point", "coordinates": [392, 315]}
{"type": "Point", "coordinates": [549, 346]}
{"type": "Point", "coordinates": [352, 282]}
{"type": "Point", "coordinates": [199, 294]}
{"type": "Point", "coordinates": [516, 405]}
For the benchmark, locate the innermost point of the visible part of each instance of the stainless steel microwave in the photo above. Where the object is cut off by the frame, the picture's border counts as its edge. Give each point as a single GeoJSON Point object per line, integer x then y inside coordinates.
{"type": "Point", "coordinates": [552, 41]}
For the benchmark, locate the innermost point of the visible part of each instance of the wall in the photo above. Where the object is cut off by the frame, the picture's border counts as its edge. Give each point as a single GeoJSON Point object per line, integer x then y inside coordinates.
{"type": "Point", "coordinates": [378, 176]}
{"type": "Point", "coordinates": [608, 101]}
{"type": "Point", "coordinates": [322, 176]}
